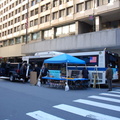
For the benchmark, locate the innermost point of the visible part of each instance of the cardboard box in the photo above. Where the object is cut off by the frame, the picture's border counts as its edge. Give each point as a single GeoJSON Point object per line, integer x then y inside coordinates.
{"type": "Point", "coordinates": [33, 78]}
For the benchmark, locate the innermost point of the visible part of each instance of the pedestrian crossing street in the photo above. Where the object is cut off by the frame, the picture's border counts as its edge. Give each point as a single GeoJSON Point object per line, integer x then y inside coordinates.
{"type": "Point", "coordinates": [107, 101]}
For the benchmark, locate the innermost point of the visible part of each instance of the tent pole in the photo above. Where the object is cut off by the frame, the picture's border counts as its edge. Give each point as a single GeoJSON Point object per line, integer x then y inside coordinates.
{"type": "Point", "coordinates": [66, 83]}
{"type": "Point", "coordinates": [39, 82]}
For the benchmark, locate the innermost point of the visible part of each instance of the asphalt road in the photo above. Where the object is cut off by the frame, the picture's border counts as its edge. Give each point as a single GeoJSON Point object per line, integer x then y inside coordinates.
{"type": "Point", "coordinates": [20, 101]}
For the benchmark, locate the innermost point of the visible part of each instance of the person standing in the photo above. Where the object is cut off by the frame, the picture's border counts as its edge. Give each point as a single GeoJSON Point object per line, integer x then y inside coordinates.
{"type": "Point", "coordinates": [85, 73]}
{"type": "Point", "coordinates": [37, 69]}
{"type": "Point", "coordinates": [109, 76]}
{"type": "Point", "coordinates": [44, 72]}
{"type": "Point", "coordinates": [23, 72]}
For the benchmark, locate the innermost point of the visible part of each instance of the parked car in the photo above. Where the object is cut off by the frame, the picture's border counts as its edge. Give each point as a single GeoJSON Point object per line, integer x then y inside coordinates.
{"type": "Point", "coordinates": [12, 70]}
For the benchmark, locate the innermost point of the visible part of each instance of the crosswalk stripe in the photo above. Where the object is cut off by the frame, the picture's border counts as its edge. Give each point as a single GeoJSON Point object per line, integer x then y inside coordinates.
{"type": "Point", "coordinates": [40, 115]}
{"type": "Point", "coordinates": [105, 98]}
{"type": "Point", "coordinates": [115, 92]}
{"type": "Point", "coordinates": [98, 104]}
{"type": "Point", "coordinates": [117, 89]}
{"type": "Point", "coordinates": [85, 113]}
{"type": "Point", "coordinates": [108, 94]}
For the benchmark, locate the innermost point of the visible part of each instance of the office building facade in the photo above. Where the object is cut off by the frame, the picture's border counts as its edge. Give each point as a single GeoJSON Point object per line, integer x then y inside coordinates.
{"type": "Point", "coordinates": [30, 26]}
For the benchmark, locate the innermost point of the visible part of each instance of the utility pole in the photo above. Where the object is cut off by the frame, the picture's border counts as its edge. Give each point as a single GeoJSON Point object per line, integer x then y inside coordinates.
{"type": "Point", "coordinates": [93, 15]}
{"type": "Point", "coordinates": [27, 15]}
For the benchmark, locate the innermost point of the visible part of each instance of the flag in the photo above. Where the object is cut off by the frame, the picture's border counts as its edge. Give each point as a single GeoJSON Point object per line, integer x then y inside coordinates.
{"type": "Point", "coordinates": [91, 17]}
{"type": "Point", "coordinates": [93, 59]}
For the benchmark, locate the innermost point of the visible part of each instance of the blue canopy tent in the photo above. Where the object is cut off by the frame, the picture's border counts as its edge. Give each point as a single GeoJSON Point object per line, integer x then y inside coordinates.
{"type": "Point", "coordinates": [64, 58]}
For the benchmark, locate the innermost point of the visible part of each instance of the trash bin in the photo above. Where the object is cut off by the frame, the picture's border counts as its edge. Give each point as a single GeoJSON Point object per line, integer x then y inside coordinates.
{"type": "Point", "coordinates": [33, 78]}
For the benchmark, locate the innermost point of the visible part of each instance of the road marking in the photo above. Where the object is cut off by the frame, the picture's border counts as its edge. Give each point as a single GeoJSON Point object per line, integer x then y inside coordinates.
{"type": "Point", "coordinates": [107, 94]}
{"type": "Point", "coordinates": [105, 98]}
{"type": "Point", "coordinates": [40, 115]}
{"type": "Point", "coordinates": [85, 113]}
{"type": "Point", "coordinates": [117, 89]}
{"type": "Point", "coordinates": [115, 92]}
{"type": "Point", "coordinates": [98, 104]}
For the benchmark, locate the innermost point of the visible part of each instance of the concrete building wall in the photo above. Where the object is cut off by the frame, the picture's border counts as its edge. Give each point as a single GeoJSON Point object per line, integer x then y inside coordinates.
{"type": "Point", "coordinates": [94, 40]}
{"type": "Point", "coordinates": [11, 51]}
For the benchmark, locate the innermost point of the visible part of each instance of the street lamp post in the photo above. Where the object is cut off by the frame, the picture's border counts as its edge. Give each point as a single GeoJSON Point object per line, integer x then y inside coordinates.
{"type": "Point", "coordinates": [27, 21]}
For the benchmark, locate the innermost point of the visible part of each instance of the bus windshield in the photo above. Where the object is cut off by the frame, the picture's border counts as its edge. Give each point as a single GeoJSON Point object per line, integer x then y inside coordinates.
{"type": "Point", "coordinates": [112, 59]}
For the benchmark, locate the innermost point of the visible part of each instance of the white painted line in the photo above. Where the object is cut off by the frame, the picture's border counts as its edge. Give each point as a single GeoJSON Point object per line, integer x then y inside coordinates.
{"type": "Point", "coordinates": [98, 104]}
{"type": "Point", "coordinates": [40, 115]}
{"type": "Point", "coordinates": [85, 113]}
{"type": "Point", "coordinates": [115, 92]}
{"type": "Point", "coordinates": [105, 98]}
{"type": "Point", "coordinates": [117, 89]}
{"type": "Point", "coordinates": [107, 94]}
{"type": "Point", "coordinates": [2, 77]}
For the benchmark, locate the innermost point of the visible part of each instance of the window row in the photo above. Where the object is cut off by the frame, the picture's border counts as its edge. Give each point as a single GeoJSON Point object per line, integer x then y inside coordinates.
{"type": "Point", "coordinates": [63, 30]}
{"type": "Point", "coordinates": [33, 2]}
{"type": "Point", "coordinates": [79, 7]}
{"type": "Point", "coordinates": [16, 20]}
{"type": "Point", "coordinates": [12, 5]}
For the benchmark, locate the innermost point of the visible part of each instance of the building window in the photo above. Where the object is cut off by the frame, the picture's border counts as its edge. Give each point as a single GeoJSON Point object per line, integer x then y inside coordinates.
{"type": "Point", "coordinates": [42, 19]}
{"type": "Point", "coordinates": [16, 3]}
{"type": "Point", "coordinates": [24, 39]}
{"type": "Point", "coordinates": [15, 20]}
{"type": "Point", "coordinates": [47, 34]}
{"type": "Point", "coordinates": [80, 7]}
{"type": "Point", "coordinates": [11, 22]}
{"type": "Point", "coordinates": [36, 11]}
{"type": "Point", "coordinates": [5, 43]}
{"type": "Point", "coordinates": [36, 22]}
{"type": "Point", "coordinates": [55, 3]}
{"type": "Point", "coordinates": [11, 42]}
{"type": "Point", "coordinates": [15, 11]}
{"type": "Point", "coordinates": [43, 8]}
{"type": "Point", "coordinates": [14, 29]}
{"type": "Point", "coordinates": [59, 31]}
{"type": "Point", "coordinates": [65, 30]}
{"type": "Point", "coordinates": [23, 17]}
{"type": "Point", "coordinates": [48, 6]}
{"type": "Point", "coordinates": [18, 19]}
{"type": "Point", "coordinates": [69, 10]}
{"type": "Point", "coordinates": [89, 4]}
{"type": "Point", "coordinates": [23, 8]}
{"type": "Point", "coordinates": [103, 2]}
{"type": "Point", "coordinates": [33, 3]}
{"type": "Point", "coordinates": [47, 18]}
{"type": "Point", "coordinates": [22, 26]}
{"type": "Point", "coordinates": [62, 13]}
{"type": "Point", "coordinates": [19, 9]}
{"type": "Point", "coordinates": [35, 36]}
{"type": "Point", "coordinates": [18, 40]}
{"type": "Point", "coordinates": [62, 2]}
{"type": "Point", "coordinates": [11, 31]}
{"type": "Point", "coordinates": [13, 5]}
{"type": "Point", "coordinates": [18, 28]}
{"type": "Point", "coordinates": [55, 15]}
{"type": "Point", "coordinates": [31, 23]}
{"type": "Point", "coordinates": [72, 28]}
{"type": "Point", "coordinates": [12, 13]}
{"type": "Point", "coordinates": [32, 12]}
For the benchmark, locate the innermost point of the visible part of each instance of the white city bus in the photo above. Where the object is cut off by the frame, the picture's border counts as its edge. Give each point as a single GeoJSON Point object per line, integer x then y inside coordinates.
{"type": "Point", "coordinates": [39, 57]}
{"type": "Point", "coordinates": [96, 63]}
